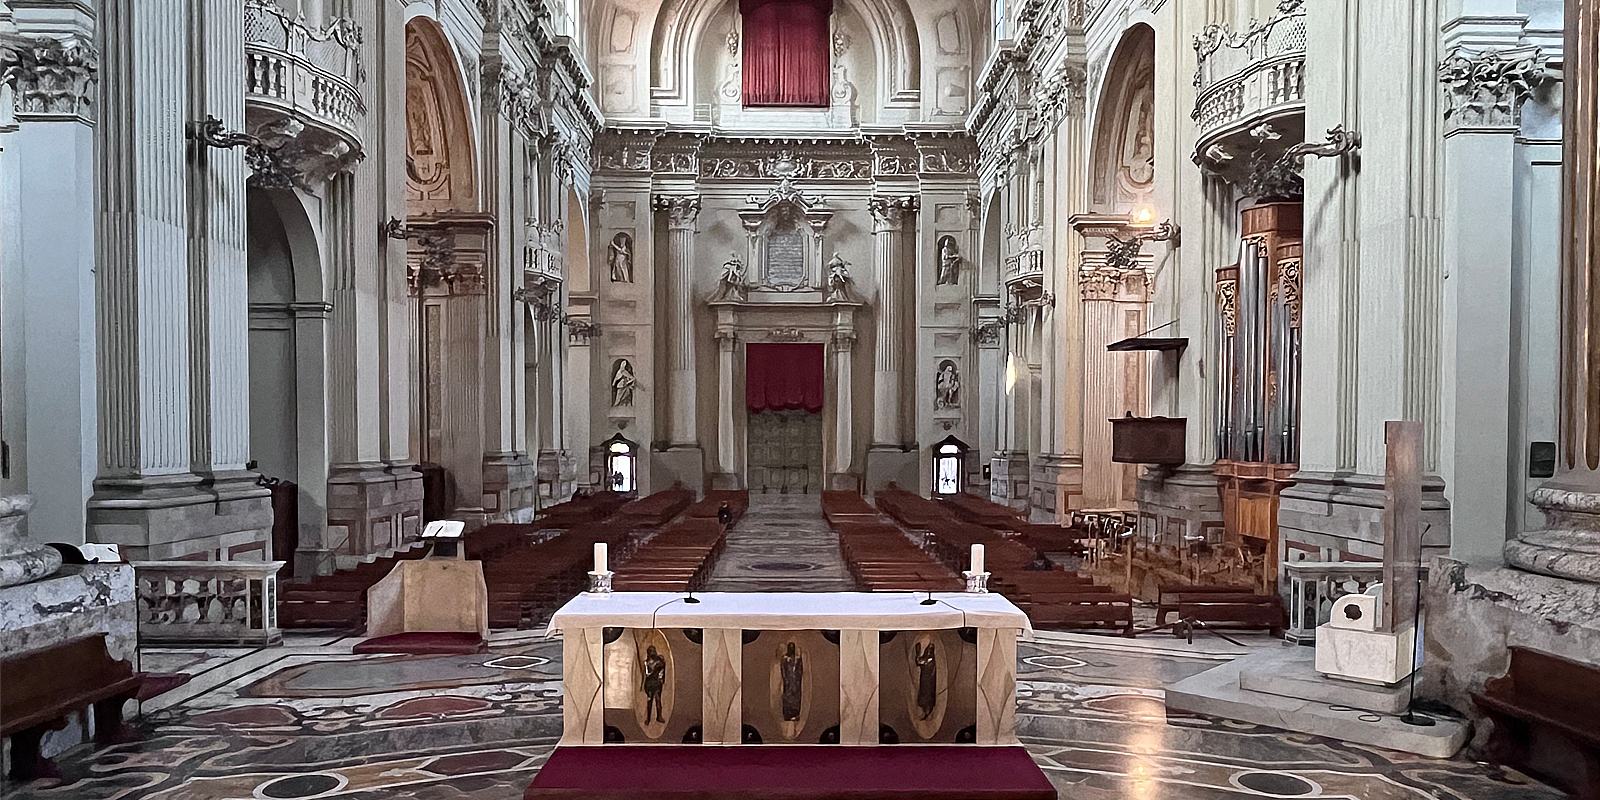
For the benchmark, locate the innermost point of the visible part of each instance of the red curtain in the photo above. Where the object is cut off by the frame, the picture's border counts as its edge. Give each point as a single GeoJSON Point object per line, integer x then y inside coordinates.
{"type": "Point", "coordinates": [786, 52]}
{"type": "Point", "coordinates": [783, 377]}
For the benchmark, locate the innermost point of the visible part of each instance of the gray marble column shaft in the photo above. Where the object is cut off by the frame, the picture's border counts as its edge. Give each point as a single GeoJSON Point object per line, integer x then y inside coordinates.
{"type": "Point", "coordinates": [683, 212]}
{"type": "Point", "coordinates": [888, 254]}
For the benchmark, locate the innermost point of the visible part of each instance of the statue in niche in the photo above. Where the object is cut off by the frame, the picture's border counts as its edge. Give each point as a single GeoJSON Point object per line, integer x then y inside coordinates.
{"type": "Point", "coordinates": [655, 680]}
{"type": "Point", "coordinates": [731, 285]}
{"type": "Point", "coordinates": [622, 384]}
{"type": "Point", "coordinates": [839, 281]}
{"type": "Point", "coordinates": [947, 387]}
{"type": "Point", "coordinates": [927, 679]}
{"type": "Point", "coordinates": [792, 668]}
{"type": "Point", "coordinates": [949, 262]}
{"type": "Point", "coordinates": [621, 258]}
{"type": "Point", "coordinates": [1139, 154]}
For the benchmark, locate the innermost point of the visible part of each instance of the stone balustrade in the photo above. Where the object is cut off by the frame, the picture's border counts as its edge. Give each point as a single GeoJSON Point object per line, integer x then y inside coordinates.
{"type": "Point", "coordinates": [301, 87]}
{"type": "Point", "coordinates": [1247, 79]}
{"type": "Point", "coordinates": [1313, 587]}
{"type": "Point", "coordinates": [208, 602]}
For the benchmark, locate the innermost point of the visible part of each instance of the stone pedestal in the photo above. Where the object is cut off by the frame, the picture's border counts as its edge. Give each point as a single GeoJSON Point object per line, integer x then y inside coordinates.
{"type": "Point", "coordinates": [371, 508]}
{"type": "Point", "coordinates": [1342, 513]}
{"type": "Point", "coordinates": [174, 517]}
{"type": "Point", "coordinates": [79, 601]}
{"type": "Point", "coordinates": [1056, 480]}
{"type": "Point", "coordinates": [1008, 478]}
{"type": "Point", "coordinates": [686, 465]}
{"type": "Point", "coordinates": [510, 481]}
{"type": "Point", "coordinates": [891, 465]}
{"type": "Point", "coordinates": [1181, 505]}
{"type": "Point", "coordinates": [22, 561]}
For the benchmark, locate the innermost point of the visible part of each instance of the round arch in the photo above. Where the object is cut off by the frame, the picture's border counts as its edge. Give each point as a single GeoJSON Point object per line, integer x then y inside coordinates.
{"type": "Point", "coordinates": [682, 25]}
{"type": "Point", "coordinates": [1122, 154]}
{"type": "Point", "coordinates": [441, 172]}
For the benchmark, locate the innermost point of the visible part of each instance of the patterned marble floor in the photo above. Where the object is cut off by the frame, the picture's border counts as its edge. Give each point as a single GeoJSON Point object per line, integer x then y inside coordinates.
{"type": "Point", "coordinates": [311, 720]}
{"type": "Point", "coordinates": [781, 544]}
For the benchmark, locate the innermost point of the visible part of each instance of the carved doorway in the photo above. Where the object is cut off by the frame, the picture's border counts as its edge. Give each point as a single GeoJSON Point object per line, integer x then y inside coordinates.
{"type": "Point", "coordinates": [784, 399]}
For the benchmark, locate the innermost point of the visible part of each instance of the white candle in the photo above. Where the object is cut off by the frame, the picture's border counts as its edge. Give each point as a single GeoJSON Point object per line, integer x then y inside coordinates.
{"type": "Point", "coordinates": [977, 558]}
{"type": "Point", "coordinates": [599, 556]}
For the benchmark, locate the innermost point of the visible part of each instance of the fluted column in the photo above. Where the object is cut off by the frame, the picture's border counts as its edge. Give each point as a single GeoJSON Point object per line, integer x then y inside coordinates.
{"type": "Point", "coordinates": [727, 399]}
{"type": "Point", "coordinates": [1569, 546]}
{"type": "Point", "coordinates": [844, 342]}
{"type": "Point", "coordinates": [888, 254]}
{"type": "Point", "coordinates": [683, 211]}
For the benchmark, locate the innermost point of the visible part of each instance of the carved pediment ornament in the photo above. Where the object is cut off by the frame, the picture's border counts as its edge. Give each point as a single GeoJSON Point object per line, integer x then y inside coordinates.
{"type": "Point", "coordinates": [50, 76]}
{"type": "Point", "coordinates": [1228, 305]}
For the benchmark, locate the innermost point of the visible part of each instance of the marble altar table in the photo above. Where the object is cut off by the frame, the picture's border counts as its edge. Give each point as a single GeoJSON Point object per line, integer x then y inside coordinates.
{"type": "Point", "coordinates": [850, 668]}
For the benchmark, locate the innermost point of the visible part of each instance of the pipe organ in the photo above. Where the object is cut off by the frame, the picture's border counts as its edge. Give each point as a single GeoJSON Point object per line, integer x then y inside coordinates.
{"type": "Point", "coordinates": [1258, 431]}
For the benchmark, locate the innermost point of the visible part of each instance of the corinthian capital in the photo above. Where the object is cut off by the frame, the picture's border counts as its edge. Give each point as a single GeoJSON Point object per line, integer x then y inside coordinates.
{"type": "Point", "coordinates": [889, 212]}
{"type": "Point", "coordinates": [1486, 89]}
{"type": "Point", "coordinates": [50, 76]}
{"type": "Point", "coordinates": [682, 210]}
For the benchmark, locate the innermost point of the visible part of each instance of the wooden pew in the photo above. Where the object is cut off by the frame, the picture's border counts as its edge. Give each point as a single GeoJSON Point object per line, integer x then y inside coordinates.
{"type": "Point", "coordinates": [1546, 715]}
{"type": "Point", "coordinates": [1167, 596]}
{"type": "Point", "coordinates": [40, 689]}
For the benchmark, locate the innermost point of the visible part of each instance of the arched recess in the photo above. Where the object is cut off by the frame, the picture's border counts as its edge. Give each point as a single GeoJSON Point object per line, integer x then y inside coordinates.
{"type": "Point", "coordinates": [989, 274]}
{"type": "Point", "coordinates": [578, 275]}
{"type": "Point", "coordinates": [1122, 163]}
{"type": "Point", "coordinates": [682, 26]}
{"type": "Point", "coordinates": [288, 367]}
{"type": "Point", "coordinates": [440, 171]}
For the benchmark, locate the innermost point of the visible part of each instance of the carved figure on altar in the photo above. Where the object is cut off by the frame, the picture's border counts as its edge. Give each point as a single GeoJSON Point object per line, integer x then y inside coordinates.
{"type": "Point", "coordinates": [947, 387]}
{"type": "Point", "coordinates": [655, 680]}
{"type": "Point", "coordinates": [622, 384]}
{"type": "Point", "coordinates": [731, 285]}
{"type": "Point", "coordinates": [949, 262]}
{"type": "Point", "coordinates": [927, 679]}
{"type": "Point", "coordinates": [839, 281]}
{"type": "Point", "coordinates": [793, 670]}
{"type": "Point", "coordinates": [621, 258]}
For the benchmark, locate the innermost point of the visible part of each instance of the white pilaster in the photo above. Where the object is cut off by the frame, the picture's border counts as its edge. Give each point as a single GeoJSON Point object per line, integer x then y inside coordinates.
{"type": "Point", "coordinates": [683, 212]}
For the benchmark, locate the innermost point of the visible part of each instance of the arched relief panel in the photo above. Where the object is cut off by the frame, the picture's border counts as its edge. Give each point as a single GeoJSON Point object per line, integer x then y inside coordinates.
{"type": "Point", "coordinates": [1122, 162]}
{"type": "Point", "coordinates": [949, 70]}
{"type": "Point", "coordinates": [620, 48]}
{"type": "Point", "coordinates": [440, 172]}
{"type": "Point", "coordinates": [876, 41]}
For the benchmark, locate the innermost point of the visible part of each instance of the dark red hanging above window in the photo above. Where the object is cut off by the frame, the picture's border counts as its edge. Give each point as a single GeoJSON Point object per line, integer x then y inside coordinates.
{"type": "Point", "coordinates": [786, 52]}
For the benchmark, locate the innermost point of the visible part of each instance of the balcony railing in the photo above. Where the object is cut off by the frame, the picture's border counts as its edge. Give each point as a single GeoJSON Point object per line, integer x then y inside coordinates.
{"type": "Point", "coordinates": [1245, 79]}
{"type": "Point", "coordinates": [208, 602]}
{"type": "Point", "coordinates": [306, 75]}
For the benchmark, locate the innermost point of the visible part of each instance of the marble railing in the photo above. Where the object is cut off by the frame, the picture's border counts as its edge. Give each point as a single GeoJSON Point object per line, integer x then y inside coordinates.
{"type": "Point", "coordinates": [208, 602]}
{"type": "Point", "coordinates": [1313, 586]}
{"type": "Point", "coordinates": [297, 74]}
{"type": "Point", "coordinates": [1249, 78]}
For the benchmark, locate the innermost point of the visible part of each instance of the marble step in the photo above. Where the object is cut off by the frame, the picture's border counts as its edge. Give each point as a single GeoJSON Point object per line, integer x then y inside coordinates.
{"type": "Point", "coordinates": [1292, 672]}
{"type": "Point", "coordinates": [1217, 693]}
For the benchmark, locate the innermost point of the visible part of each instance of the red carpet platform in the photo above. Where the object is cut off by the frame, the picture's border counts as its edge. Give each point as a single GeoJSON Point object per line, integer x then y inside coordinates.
{"type": "Point", "coordinates": [775, 772]}
{"type": "Point", "coordinates": [424, 643]}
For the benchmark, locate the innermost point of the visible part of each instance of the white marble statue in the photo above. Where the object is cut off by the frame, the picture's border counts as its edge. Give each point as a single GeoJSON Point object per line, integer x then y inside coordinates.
{"type": "Point", "coordinates": [949, 262]}
{"type": "Point", "coordinates": [622, 384]}
{"type": "Point", "coordinates": [839, 281]}
{"type": "Point", "coordinates": [947, 387]}
{"type": "Point", "coordinates": [621, 258]}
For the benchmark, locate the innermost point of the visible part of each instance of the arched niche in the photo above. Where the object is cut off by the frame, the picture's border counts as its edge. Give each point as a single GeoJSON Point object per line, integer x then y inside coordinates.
{"type": "Point", "coordinates": [1122, 163]}
{"type": "Point", "coordinates": [691, 50]}
{"type": "Point", "coordinates": [440, 171]}
{"type": "Point", "coordinates": [288, 365]}
{"type": "Point", "coordinates": [989, 271]}
{"type": "Point", "coordinates": [579, 277]}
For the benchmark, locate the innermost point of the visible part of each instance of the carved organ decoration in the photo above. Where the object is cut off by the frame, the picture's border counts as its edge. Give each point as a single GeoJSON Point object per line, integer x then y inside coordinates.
{"type": "Point", "coordinates": [1258, 435]}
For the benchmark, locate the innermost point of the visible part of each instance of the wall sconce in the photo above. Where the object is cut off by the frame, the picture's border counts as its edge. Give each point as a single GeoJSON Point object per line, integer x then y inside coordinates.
{"type": "Point", "coordinates": [1123, 254]}
{"type": "Point", "coordinates": [268, 171]}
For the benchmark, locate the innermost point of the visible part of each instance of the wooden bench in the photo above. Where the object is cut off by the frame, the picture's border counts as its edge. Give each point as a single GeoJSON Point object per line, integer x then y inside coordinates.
{"type": "Point", "coordinates": [1546, 715]}
{"type": "Point", "coordinates": [39, 690]}
{"type": "Point", "coordinates": [1086, 610]}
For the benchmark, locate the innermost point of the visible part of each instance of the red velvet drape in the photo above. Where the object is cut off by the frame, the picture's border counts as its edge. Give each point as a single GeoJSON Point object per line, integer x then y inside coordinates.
{"type": "Point", "coordinates": [786, 52]}
{"type": "Point", "coordinates": [783, 377]}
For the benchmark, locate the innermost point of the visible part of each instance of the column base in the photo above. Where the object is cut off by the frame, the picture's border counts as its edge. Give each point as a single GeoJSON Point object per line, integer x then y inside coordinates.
{"type": "Point", "coordinates": [1053, 484]}
{"type": "Point", "coordinates": [888, 464]}
{"type": "Point", "coordinates": [1569, 547]}
{"type": "Point", "coordinates": [1180, 503]}
{"type": "Point", "coordinates": [1333, 514]}
{"type": "Point", "coordinates": [726, 482]}
{"type": "Point", "coordinates": [223, 516]}
{"type": "Point", "coordinates": [510, 482]}
{"type": "Point", "coordinates": [684, 464]}
{"type": "Point", "coordinates": [372, 508]}
{"type": "Point", "coordinates": [22, 561]}
{"type": "Point", "coordinates": [844, 482]}
{"type": "Point", "coordinates": [1008, 478]}
{"type": "Point", "coordinates": [557, 476]}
